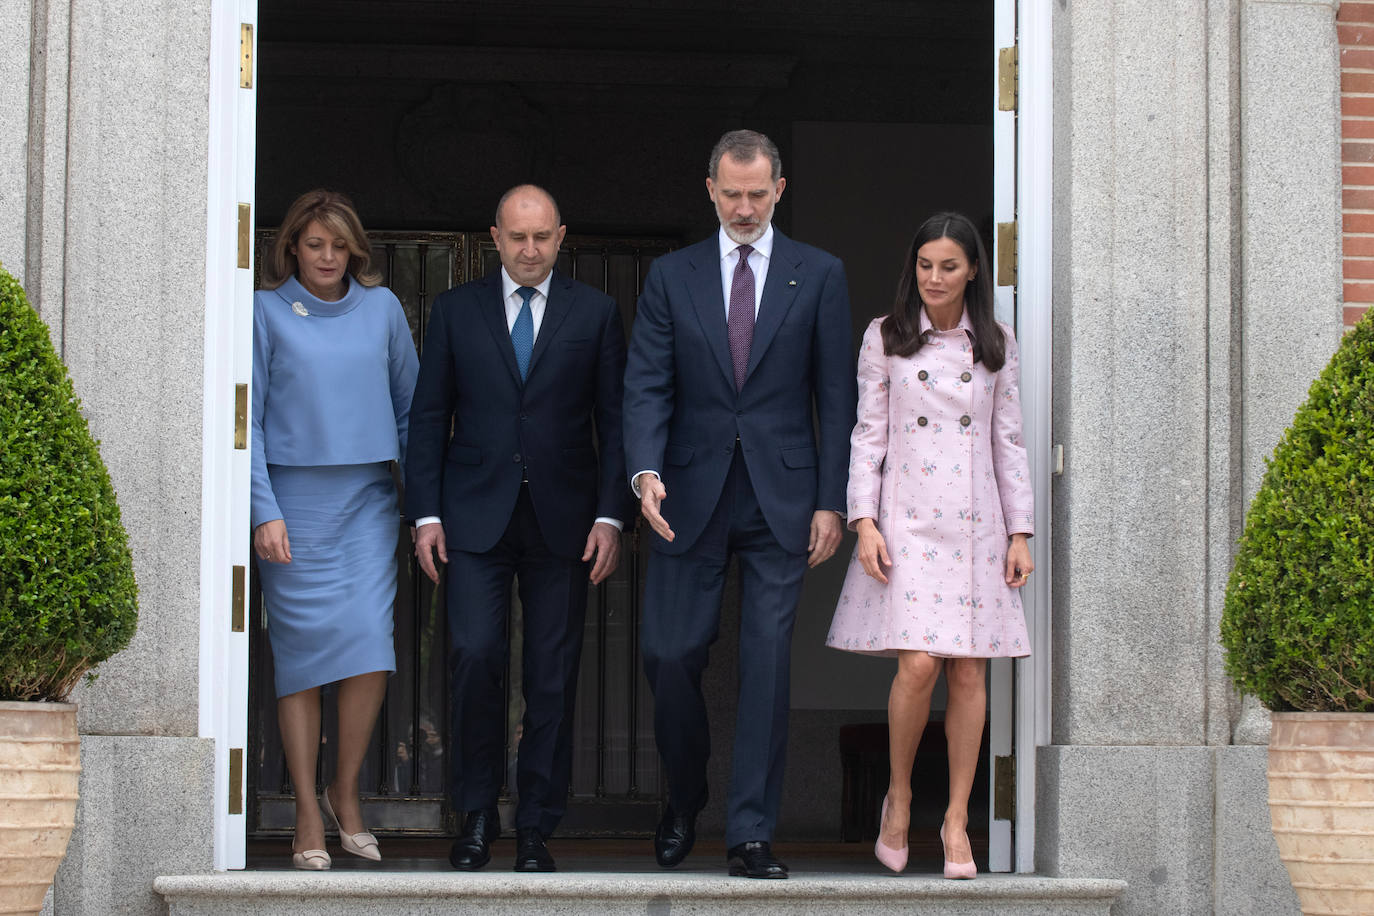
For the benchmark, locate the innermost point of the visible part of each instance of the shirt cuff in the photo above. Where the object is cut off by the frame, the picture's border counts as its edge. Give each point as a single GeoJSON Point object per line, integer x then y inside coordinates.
{"type": "Point", "coordinates": [862, 508]}
{"type": "Point", "coordinates": [634, 482]}
{"type": "Point", "coordinates": [617, 523]}
{"type": "Point", "coordinates": [1020, 523]}
{"type": "Point", "coordinates": [427, 520]}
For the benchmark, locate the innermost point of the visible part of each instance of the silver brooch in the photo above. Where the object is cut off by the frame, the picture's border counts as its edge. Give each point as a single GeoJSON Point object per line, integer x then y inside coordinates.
{"type": "Point", "coordinates": [300, 310]}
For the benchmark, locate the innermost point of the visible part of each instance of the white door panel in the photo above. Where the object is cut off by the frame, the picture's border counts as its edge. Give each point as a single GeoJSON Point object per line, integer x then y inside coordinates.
{"type": "Point", "coordinates": [225, 449]}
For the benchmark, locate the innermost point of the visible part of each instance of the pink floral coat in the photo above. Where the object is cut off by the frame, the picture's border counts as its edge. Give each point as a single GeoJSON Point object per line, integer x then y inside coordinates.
{"type": "Point", "coordinates": [937, 460]}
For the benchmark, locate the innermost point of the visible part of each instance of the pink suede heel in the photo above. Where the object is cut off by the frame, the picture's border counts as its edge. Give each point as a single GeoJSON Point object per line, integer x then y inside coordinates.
{"type": "Point", "coordinates": [894, 859]}
{"type": "Point", "coordinates": [956, 869]}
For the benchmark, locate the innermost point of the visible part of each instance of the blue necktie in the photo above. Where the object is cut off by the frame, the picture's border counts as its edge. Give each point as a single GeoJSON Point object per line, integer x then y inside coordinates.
{"type": "Point", "coordinates": [522, 332]}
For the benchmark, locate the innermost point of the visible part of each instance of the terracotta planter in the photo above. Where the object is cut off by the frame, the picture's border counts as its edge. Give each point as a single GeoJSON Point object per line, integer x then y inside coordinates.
{"type": "Point", "coordinates": [40, 761]}
{"type": "Point", "coordinates": [1321, 802]}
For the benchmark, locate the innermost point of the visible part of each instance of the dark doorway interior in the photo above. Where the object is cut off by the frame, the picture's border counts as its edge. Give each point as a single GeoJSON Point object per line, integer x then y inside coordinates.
{"type": "Point", "coordinates": [425, 111]}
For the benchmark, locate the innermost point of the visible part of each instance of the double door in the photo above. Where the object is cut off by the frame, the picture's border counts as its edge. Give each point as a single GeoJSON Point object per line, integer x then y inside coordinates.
{"type": "Point", "coordinates": [616, 782]}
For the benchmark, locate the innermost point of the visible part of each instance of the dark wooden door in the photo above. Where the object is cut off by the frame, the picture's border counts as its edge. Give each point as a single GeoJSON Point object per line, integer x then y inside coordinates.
{"type": "Point", "coordinates": [616, 783]}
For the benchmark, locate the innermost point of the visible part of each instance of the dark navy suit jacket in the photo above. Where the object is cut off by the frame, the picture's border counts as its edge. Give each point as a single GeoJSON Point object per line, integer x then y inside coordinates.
{"type": "Point", "coordinates": [562, 425]}
{"type": "Point", "coordinates": [682, 412]}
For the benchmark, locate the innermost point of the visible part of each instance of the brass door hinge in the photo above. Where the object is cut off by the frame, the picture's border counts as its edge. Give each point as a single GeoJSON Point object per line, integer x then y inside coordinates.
{"type": "Point", "coordinates": [240, 416]}
{"type": "Point", "coordinates": [236, 605]}
{"type": "Point", "coordinates": [235, 780]}
{"type": "Point", "coordinates": [245, 243]}
{"type": "Point", "coordinates": [1006, 79]}
{"type": "Point", "coordinates": [1006, 254]}
{"type": "Point", "coordinates": [1004, 788]}
{"type": "Point", "coordinates": [246, 55]}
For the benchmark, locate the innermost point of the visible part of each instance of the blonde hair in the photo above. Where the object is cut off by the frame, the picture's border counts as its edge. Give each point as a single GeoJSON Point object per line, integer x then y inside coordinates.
{"type": "Point", "coordinates": [335, 211]}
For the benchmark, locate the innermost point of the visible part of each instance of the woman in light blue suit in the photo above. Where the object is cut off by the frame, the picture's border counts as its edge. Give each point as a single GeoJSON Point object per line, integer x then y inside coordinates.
{"type": "Point", "coordinates": [333, 371]}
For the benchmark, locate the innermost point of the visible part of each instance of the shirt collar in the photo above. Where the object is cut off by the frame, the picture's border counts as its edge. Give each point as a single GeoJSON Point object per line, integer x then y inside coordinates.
{"type": "Point", "coordinates": [763, 246]}
{"type": "Point", "coordinates": [964, 324]}
{"type": "Point", "coordinates": [509, 286]}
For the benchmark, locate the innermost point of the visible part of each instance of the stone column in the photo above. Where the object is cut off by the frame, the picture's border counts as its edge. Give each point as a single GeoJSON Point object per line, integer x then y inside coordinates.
{"type": "Point", "coordinates": [116, 238]}
{"type": "Point", "coordinates": [14, 130]}
{"type": "Point", "coordinates": [1291, 190]}
{"type": "Point", "coordinates": [1176, 122]}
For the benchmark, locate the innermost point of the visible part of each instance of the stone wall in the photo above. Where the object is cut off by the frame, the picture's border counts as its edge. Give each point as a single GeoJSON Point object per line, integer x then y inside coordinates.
{"type": "Point", "coordinates": [103, 145]}
{"type": "Point", "coordinates": [1196, 163]}
{"type": "Point", "coordinates": [14, 130]}
{"type": "Point", "coordinates": [1196, 176]}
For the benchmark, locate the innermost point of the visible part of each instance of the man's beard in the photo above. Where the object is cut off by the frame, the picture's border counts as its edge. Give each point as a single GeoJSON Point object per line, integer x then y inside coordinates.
{"type": "Point", "coordinates": [746, 235]}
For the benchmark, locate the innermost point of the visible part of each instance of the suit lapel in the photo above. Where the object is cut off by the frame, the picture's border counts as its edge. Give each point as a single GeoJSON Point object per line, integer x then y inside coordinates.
{"type": "Point", "coordinates": [494, 314]}
{"type": "Point", "coordinates": [779, 292]}
{"type": "Point", "coordinates": [703, 285]}
{"type": "Point", "coordinates": [556, 308]}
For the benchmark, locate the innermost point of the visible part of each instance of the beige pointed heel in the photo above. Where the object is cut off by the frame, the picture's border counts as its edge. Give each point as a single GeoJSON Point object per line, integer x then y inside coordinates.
{"type": "Point", "coordinates": [311, 860]}
{"type": "Point", "coordinates": [364, 845]}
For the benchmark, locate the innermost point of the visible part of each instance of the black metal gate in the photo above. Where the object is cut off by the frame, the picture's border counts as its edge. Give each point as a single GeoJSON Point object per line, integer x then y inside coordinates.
{"type": "Point", "coordinates": [615, 779]}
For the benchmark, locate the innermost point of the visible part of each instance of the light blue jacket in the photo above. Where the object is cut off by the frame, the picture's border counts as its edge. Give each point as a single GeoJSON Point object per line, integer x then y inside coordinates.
{"type": "Point", "coordinates": [331, 386]}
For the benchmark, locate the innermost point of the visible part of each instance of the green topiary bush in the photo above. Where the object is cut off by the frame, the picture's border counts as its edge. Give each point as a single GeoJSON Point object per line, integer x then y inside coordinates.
{"type": "Point", "coordinates": [68, 600]}
{"type": "Point", "coordinates": [1298, 625]}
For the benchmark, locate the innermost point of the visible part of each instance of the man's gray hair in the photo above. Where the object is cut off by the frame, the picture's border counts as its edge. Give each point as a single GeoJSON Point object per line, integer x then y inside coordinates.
{"type": "Point", "coordinates": [520, 189]}
{"type": "Point", "coordinates": [743, 146]}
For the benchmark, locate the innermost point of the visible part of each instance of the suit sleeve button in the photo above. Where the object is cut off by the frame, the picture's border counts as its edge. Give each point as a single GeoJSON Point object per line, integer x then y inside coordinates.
{"type": "Point", "coordinates": [923, 375]}
{"type": "Point", "coordinates": [964, 420]}
{"type": "Point", "coordinates": [921, 421]}
{"type": "Point", "coordinates": [966, 377]}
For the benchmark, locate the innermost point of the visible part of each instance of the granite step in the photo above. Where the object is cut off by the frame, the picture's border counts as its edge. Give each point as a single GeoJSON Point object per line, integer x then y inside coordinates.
{"type": "Point", "coordinates": [353, 892]}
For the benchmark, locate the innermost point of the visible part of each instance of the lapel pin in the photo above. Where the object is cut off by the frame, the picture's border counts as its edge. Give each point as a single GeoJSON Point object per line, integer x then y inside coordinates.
{"type": "Point", "coordinates": [791, 282]}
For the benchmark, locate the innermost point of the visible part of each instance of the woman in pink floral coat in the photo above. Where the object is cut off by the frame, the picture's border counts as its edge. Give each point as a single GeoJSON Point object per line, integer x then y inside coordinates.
{"type": "Point", "coordinates": [939, 493]}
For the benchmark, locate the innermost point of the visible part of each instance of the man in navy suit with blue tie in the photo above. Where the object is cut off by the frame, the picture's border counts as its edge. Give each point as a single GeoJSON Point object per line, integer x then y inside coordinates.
{"type": "Point", "coordinates": [516, 470]}
{"type": "Point", "coordinates": [740, 398]}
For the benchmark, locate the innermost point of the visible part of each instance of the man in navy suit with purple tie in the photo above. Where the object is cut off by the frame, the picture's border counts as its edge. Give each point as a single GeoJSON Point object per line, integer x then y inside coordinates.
{"type": "Point", "coordinates": [515, 470]}
{"type": "Point", "coordinates": [740, 398]}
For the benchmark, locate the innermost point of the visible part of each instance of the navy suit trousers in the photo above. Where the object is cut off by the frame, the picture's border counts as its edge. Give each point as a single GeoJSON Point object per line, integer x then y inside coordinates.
{"type": "Point", "coordinates": [682, 619]}
{"type": "Point", "coordinates": [553, 600]}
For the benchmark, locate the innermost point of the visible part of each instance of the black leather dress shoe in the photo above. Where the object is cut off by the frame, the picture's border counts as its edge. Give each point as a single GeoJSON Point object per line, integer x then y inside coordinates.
{"type": "Point", "coordinates": [676, 833]}
{"type": "Point", "coordinates": [530, 852]}
{"type": "Point", "coordinates": [472, 849]}
{"type": "Point", "coordinates": [674, 837]}
{"type": "Point", "coordinates": [755, 860]}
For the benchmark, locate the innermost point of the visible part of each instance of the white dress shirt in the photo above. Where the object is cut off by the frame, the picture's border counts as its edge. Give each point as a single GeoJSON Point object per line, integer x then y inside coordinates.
{"type": "Point", "coordinates": [512, 300]}
{"type": "Point", "coordinates": [759, 259]}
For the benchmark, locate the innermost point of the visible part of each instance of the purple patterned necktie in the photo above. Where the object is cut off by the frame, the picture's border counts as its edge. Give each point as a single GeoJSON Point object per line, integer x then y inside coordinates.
{"type": "Point", "coordinates": [741, 320]}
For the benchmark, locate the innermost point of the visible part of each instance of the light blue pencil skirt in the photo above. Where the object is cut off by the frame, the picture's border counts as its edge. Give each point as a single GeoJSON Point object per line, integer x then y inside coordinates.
{"type": "Point", "coordinates": [329, 611]}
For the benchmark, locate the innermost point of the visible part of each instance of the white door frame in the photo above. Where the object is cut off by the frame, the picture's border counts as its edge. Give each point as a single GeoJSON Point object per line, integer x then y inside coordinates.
{"type": "Point", "coordinates": [1023, 191]}
{"type": "Point", "coordinates": [1001, 692]}
{"type": "Point", "coordinates": [223, 682]}
{"type": "Point", "coordinates": [1035, 201]}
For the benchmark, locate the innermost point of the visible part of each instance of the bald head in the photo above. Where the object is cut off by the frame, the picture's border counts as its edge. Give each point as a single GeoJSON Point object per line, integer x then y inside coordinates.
{"type": "Point", "coordinates": [527, 195]}
{"type": "Point", "coordinates": [527, 233]}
